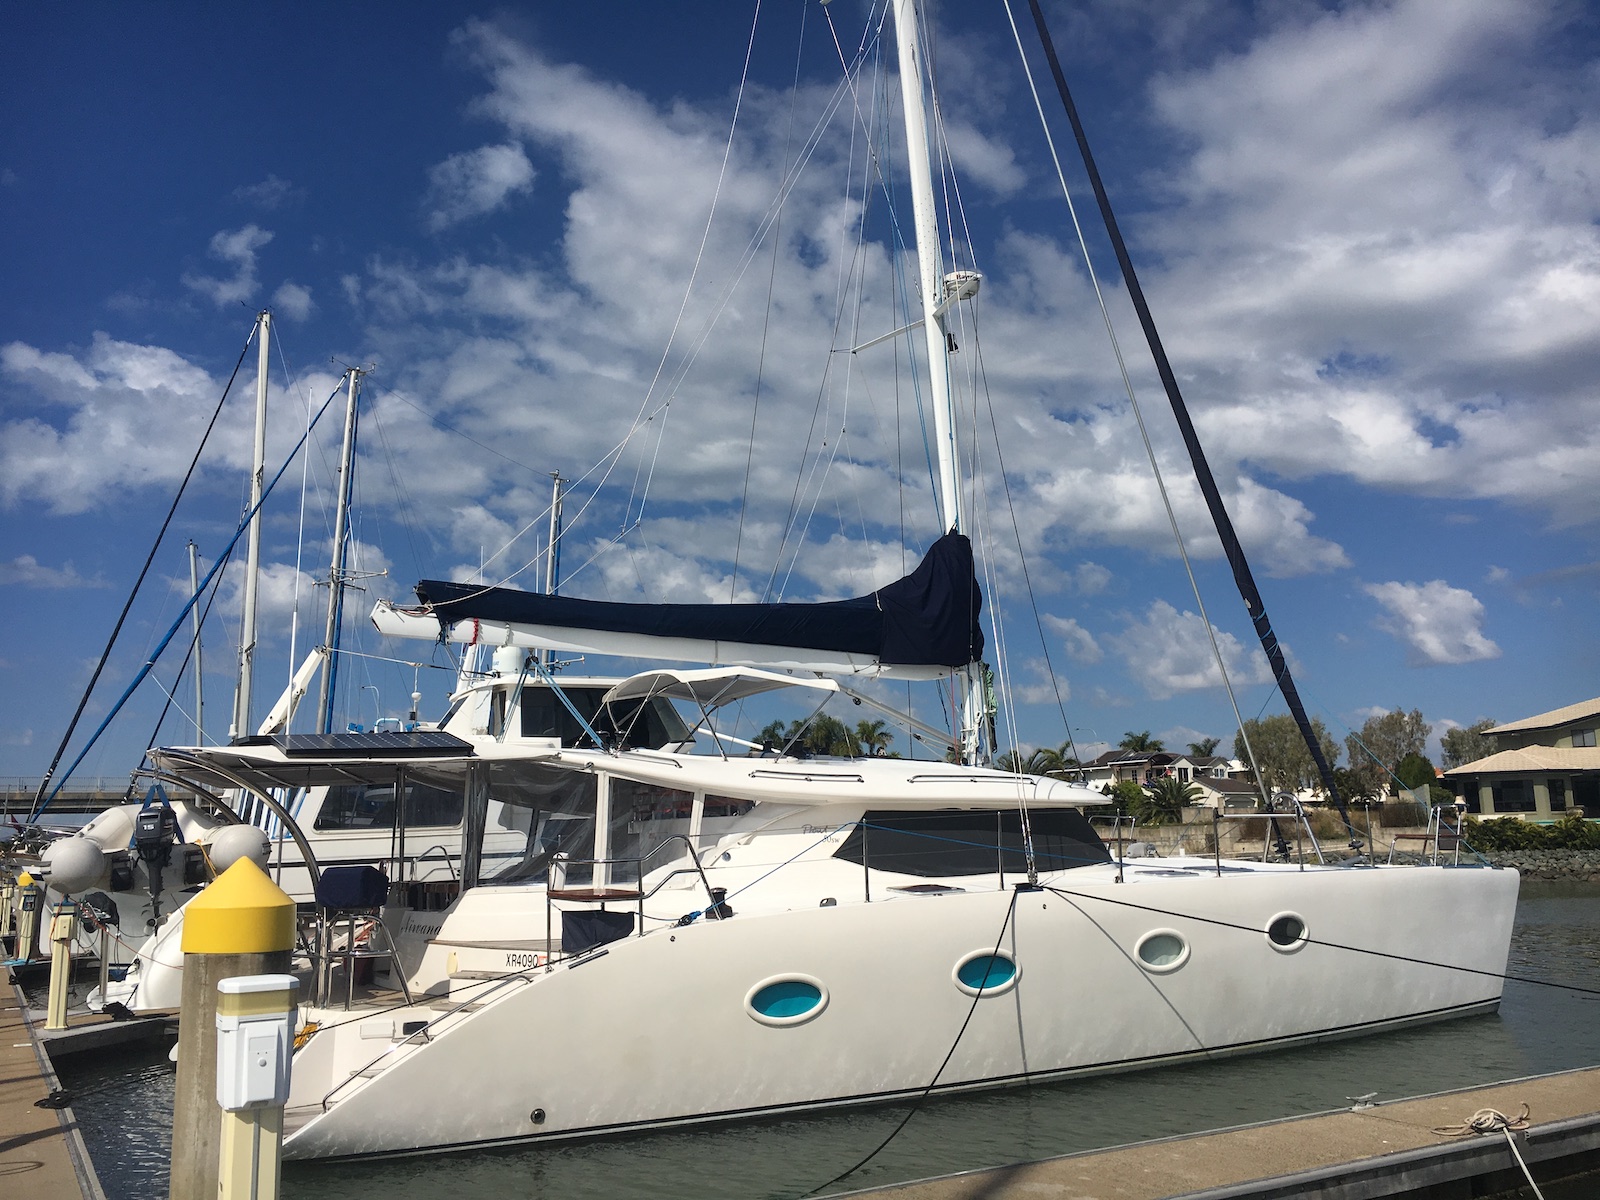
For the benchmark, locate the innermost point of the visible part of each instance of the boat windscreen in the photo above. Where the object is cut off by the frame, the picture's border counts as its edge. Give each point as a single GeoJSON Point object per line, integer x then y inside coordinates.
{"type": "Point", "coordinates": [954, 842]}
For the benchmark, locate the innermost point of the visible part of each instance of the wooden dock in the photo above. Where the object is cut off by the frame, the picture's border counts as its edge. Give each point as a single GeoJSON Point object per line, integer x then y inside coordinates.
{"type": "Point", "coordinates": [1362, 1153]}
{"type": "Point", "coordinates": [41, 1149]}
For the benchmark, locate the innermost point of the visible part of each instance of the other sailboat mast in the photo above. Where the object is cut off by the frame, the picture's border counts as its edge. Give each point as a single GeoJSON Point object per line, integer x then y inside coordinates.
{"type": "Point", "coordinates": [336, 572]}
{"type": "Point", "coordinates": [258, 473]}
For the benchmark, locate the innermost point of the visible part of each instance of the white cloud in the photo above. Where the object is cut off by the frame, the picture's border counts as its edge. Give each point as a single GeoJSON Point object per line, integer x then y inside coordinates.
{"type": "Point", "coordinates": [1040, 687]}
{"type": "Point", "coordinates": [1437, 623]}
{"type": "Point", "coordinates": [237, 248]}
{"type": "Point", "coordinates": [271, 193]}
{"type": "Point", "coordinates": [293, 301]}
{"type": "Point", "coordinates": [28, 572]}
{"type": "Point", "coordinates": [1168, 652]}
{"type": "Point", "coordinates": [476, 183]}
{"type": "Point", "coordinates": [1079, 642]}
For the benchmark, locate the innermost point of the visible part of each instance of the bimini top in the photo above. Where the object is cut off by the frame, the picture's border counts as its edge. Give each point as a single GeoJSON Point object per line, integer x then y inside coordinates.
{"type": "Point", "coordinates": [921, 626]}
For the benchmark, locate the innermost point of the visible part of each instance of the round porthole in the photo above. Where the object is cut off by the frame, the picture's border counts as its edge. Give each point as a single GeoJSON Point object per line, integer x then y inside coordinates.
{"type": "Point", "coordinates": [786, 1000]}
{"type": "Point", "coordinates": [985, 973]}
{"type": "Point", "coordinates": [1286, 932]}
{"type": "Point", "coordinates": [1162, 950]}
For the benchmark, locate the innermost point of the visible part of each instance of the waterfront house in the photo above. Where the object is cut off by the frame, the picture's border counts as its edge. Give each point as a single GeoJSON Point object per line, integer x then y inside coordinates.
{"type": "Point", "coordinates": [1543, 767]}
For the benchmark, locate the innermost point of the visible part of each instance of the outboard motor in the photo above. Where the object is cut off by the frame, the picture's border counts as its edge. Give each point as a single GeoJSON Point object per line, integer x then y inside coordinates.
{"type": "Point", "coordinates": [155, 831]}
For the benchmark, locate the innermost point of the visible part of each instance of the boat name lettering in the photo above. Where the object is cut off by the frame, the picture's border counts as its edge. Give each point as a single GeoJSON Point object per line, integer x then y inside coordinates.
{"type": "Point", "coordinates": [828, 829]}
{"type": "Point", "coordinates": [523, 958]}
{"type": "Point", "coordinates": [427, 928]}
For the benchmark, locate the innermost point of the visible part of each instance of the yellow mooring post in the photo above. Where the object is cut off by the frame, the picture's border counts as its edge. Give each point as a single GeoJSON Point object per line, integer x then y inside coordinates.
{"type": "Point", "coordinates": [243, 924]}
{"type": "Point", "coordinates": [63, 928]}
{"type": "Point", "coordinates": [255, 1039]}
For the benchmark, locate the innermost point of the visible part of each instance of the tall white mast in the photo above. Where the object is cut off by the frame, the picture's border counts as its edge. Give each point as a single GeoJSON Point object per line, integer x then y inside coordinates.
{"type": "Point", "coordinates": [336, 572]}
{"type": "Point", "coordinates": [930, 271]}
{"type": "Point", "coordinates": [258, 477]}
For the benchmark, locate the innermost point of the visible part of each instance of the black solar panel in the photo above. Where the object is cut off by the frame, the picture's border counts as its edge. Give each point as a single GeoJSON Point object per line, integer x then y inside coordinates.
{"type": "Point", "coordinates": [419, 743]}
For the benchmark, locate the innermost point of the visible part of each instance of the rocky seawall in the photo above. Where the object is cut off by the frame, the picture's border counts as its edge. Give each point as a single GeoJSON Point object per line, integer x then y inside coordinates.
{"type": "Point", "coordinates": [1555, 866]}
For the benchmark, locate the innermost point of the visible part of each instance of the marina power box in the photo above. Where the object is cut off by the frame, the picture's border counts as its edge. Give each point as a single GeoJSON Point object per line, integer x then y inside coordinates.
{"type": "Point", "coordinates": [255, 1038]}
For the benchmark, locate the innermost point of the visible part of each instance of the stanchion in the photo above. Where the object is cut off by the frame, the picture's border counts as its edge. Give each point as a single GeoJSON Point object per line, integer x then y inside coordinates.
{"type": "Point", "coordinates": [242, 925]}
{"type": "Point", "coordinates": [63, 928]}
{"type": "Point", "coordinates": [255, 1040]}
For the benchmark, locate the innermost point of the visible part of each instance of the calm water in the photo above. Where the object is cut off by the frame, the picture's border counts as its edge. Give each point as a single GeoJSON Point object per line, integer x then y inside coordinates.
{"type": "Point", "coordinates": [125, 1105]}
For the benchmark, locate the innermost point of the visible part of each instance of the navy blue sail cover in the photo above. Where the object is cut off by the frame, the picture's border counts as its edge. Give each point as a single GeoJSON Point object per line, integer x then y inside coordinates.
{"type": "Point", "coordinates": [929, 618]}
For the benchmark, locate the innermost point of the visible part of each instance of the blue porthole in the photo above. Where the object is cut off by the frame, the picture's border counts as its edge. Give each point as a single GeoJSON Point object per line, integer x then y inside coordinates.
{"type": "Point", "coordinates": [986, 973]}
{"type": "Point", "coordinates": [786, 1000]}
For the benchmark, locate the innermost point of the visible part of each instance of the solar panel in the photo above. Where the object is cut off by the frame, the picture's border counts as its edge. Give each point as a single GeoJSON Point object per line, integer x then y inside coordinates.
{"type": "Point", "coordinates": [417, 743]}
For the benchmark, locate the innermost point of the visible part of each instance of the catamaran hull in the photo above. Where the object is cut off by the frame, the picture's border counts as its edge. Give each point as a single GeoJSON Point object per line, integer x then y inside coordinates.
{"type": "Point", "coordinates": [660, 1030]}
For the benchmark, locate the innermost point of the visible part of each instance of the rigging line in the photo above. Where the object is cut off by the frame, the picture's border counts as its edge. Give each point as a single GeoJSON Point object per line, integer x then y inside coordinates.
{"type": "Point", "coordinates": [39, 800]}
{"type": "Point", "coordinates": [1505, 976]}
{"type": "Point", "coordinates": [1133, 402]}
{"type": "Point", "coordinates": [178, 678]}
{"type": "Point", "coordinates": [978, 994]}
{"type": "Point", "coordinates": [766, 320]}
{"type": "Point", "coordinates": [449, 428]}
{"type": "Point", "coordinates": [1244, 580]}
{"type": "Point", "coordinates": [149, 665]}
{"type": "Point", "coordinates": [898, 240]}
{"type": "Point", "coordinates": [1016, 527]}
{"type": "Point", "coordinates": [705, 235]}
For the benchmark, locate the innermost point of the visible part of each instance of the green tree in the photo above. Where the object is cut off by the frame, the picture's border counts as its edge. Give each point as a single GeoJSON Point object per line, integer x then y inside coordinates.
{"type": "Point", "coordinates": [1353, 787]}
{"type": "Point", "coordinates": [1280, 752]}
{"type": "Point", "coordinates": [1416, 771]}
{"type": "Point", "coordinates": [873, 737]}
{"type": "Point", "coordinates": [1384, 740]}
{"type": "Point", "coordinates": [1204, 748]}
{"type": "Point", "coordinates": [1124, 795]}
{"type": "Point", "coordinates": [1140, 743]}
{"type": "Point", "coordinates": [1163, 802]}
{"type": "Point", "coordinates": [1462, 746]}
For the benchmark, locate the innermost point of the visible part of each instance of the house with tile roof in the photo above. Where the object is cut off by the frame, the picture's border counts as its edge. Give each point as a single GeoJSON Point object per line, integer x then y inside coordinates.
{"type": "Point", "coordinates": [1543, 767]}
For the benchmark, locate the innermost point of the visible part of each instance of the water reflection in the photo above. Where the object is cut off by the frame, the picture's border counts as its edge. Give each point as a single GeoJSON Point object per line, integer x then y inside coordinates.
{"type": "Point", "coordinates": [1538, 1029]}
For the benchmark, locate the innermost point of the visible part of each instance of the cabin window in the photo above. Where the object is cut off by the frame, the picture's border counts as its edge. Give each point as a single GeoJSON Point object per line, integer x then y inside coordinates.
{"type": "Point", "coordinates": [545, 809]}
{"type": "Point", "coordinates": [986, 973]}
{"type": "Point", "coordinates": [1286, 932]}
{"type": "Point", "coordinates": [954, 842]}
{"type": "Point", "coordinates": [371, 806]}
{"type": "Point", "coordinates": [646, 815]}
{"type": "Point", "coordinates": [787, 1000]}
{"type": "Point", "coordinates": [635, 725]}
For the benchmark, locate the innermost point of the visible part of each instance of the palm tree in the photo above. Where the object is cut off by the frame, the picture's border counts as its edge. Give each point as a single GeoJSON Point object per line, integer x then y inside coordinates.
{"type": "Point", "coordinates": [872, 737]}
{"type": "Point", "coordinates": [1204, 748]}
{"type": "Point", "coordinates": [1164, 801]}
{"type": "Point", "coordinates": [1141, 742]}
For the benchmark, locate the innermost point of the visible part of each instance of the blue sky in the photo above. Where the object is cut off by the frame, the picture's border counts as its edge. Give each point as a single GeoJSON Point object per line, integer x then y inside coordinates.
{"type": "Point", "coordinates": [1368, 233]}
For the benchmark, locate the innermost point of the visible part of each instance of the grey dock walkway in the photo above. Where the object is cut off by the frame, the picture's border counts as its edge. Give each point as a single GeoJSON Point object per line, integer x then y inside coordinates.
{"type": "Point", "coordinates": [1382, 1150]}
{"type": "Point", "coordinates": [41, 1150]}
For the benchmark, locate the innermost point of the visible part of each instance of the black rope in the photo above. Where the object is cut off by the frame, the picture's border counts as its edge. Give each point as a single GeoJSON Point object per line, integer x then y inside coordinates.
{"type": "Point", "coordinates": [1405, 958]}
{"type": "Point", "coordinates": [105, 655]}
{"type": "Point", "coordinates": [1202, 469]}
{"type": "Point", "coordinates": [916, 1105]}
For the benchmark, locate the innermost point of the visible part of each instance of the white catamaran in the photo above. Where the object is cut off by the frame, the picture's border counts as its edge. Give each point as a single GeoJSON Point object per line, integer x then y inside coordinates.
{"type": "Point", "coordinates": [643, 936]}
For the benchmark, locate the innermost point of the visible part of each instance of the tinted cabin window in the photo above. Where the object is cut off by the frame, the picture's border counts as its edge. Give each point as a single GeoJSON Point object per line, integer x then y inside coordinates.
{"type": "Point", "coordinates": [647, 725]}
{"type": "Point", "coordinates": [963, 842]}
{"type": "Point", "coordinates": [371, 806]}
